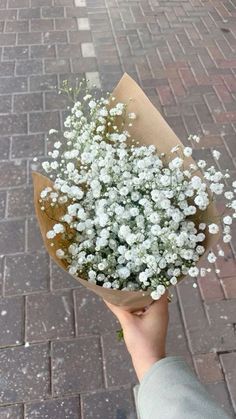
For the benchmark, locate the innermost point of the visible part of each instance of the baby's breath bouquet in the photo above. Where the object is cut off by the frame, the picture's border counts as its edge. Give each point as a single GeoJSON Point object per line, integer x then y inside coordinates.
{"type": "Point", "coordinates": [125, 209]}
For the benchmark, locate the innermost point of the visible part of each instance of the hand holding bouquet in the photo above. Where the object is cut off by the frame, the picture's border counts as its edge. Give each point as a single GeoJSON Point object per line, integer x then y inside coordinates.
{"type": "Point", "coordinates": [127, 211]}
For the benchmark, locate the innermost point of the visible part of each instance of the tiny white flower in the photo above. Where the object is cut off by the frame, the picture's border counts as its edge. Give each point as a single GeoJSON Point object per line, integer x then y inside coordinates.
{"type": "Point", "coordinates": [50, 234]}
{"type": "Point", "coordinates": [60, 253]}
{"type": "Point", "coordinates": [227, 238]}
{"type": "Point", "coordinates": [132, 115]}
{"type": "Point", "coordinates": [227, 229]}
{"type": "Point", "coordinates": [188, 151]}
{"type": "Point", "coordinates": [190, 210]}
{"type": "Point", "coordinates": [124, 191]}
{"type": "Point", "coordinates": [196, 181]}
{"type": "Point", "coordinates": [176, 163]}
{"type": "Point", "coordinates": [165, 180]}
{"type": "Point", "coordinates": [213, 228]}
{"type": "Point", "coordinates": [154, 218]}
{"type": "Point", "coordinates": [76, 192]}
{"type": "Point", "coordinates": [217, 176]}
{"type": "Point", "coordinates": [72, 270]}
{"type": "Point", "coordinates": [124, 231]}
{"type": "Point", "coordinates": [101, 242]}
{"type": "Point", "coordinates": [201, 164]}
{"type": "Point", "coordinates": [216, 154]}
{"type": "Point", "coordinates": [70, 167]}
{"type": "Point", "coordinates": [134, 212]}
{"type": "Point", "coordinates": [200, 249]}
{"type": "Point", "coordinates": [46, 166]}
{"type": "Point", "coordinates": [107, 284]}
{"type": "Point", "coordinates": [174, 149]}
{"type": "Point", "coordinates": [155, 230]}
{"type": "Point", "coordinates": [52, 131]}
{"type": "Point", "coordinates": [92, 274]}
{"type": "Point", "coordinates": [165, 203]}
{"type": "Point", "coordinates": [72, 209]}
{"type": "Point", "coordinates": [211, 257]}
{"type": "Point", "coordinates": [55, 154]}
{"type": "Point", "coordinates": [173, 280]}
{"type": "Point", "coordinates": [227, 220]}
{"type": "Point", "coordinates": [130, 239]}
{"type": "Point", "coordinates": [124, 272]}
{"type": "Point", "coordinates": [162, 263]}
{"type": "Point", "coordinates": [155, 194]}
{"type": "Point", "coordinates": [161, 289]}
{"type": "Point", "coordinates": [201, 237]}
{"type": "Point", "coordinates": [155, 295]}
{"type": "Point", "coordinates": [57, 144]}
{"type": "Point", "coordinates": [217, 188]}
{"type": "Point", "coordinates": [229, 195]}
{"type": "Point", "coordinates": [143, 276]}
{"type": "Point", "coordinates": [58, 228]}
{"type": "Point", "coordinates": [92, 104]}
{"type": "Point", "coordinates": [196, 138]}
{"type": "Point", "coordinates": [78, 114]}
{"type": "Point", "coordinates": [103, 112]}
{"type": "Point", "coordinates": [86, 97]}
{"type": "Point", "coordinates": [201, 201]}
{"type": "Point", "coordinates": [193, 271]}
{"type": "Point", "coordinates": [43, 194]}
{"type": "Point", "coordinates": [54, 165]}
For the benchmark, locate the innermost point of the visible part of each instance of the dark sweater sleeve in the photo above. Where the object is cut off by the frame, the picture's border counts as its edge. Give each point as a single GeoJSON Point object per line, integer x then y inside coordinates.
{"type": "Point", "coordinates": [169, 390]}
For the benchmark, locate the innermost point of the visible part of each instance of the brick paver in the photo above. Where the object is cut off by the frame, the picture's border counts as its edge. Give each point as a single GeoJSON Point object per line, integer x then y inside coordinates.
{"type": "Point", "coordinates": [77, 366]}
{"type": "Point", "coordinates": [208, 368]}
{"type": "Point", "coordinates": [32, 277]}
{"type": "Point", "coordinates": [108, 404]}
{"type": "Point", "coordinates": [12, 412]}
{"type": "Point", "coordinates": [58, 408]}
{"type": "Point", "coordinates": [228, 363]}
{"type": "Point", "coordinates": [25, 372]}
{"type": "Point", "coordinates": [49, 316]}
{"type": "Point", "coordinates": [59, 357]}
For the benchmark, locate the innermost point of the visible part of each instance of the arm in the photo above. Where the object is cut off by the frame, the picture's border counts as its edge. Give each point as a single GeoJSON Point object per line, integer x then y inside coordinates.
{"type": "Point", "coordinates": [169, 390]}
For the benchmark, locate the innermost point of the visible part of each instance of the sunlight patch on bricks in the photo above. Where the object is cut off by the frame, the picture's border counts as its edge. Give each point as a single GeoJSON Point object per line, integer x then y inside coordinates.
{"type": "Point", "coordinates": [88, 49]}
{"type": "Point", "coordinates": [80, 3]}
{"type": "Point", "coordinates": [93, 79]}
{"type": "Point", "coordinates": [83, 24]}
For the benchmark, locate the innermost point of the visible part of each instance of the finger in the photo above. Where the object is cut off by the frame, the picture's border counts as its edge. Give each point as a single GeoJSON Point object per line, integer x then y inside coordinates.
{"type": "Point", "coordinates": [115, 309]}
{"type": "Point", "coordinates": [139, 312]}
{"type": "Point", "coordinates": [122, 315]}
{"type": "Point", "coordinates": [158, 307]}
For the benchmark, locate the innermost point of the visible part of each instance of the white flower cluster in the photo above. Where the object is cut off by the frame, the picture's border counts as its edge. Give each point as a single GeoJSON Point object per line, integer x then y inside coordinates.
{"type": "Point", "coordinates": [129, 215]}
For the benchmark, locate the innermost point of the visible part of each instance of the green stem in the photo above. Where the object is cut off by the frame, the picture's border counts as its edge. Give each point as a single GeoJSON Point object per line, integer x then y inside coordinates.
{"type": "Point", "coordinates": [120, 335]}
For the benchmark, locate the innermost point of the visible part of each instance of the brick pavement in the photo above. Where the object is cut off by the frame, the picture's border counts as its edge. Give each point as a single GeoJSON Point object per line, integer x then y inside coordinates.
{"type": "Point", "coordinates": [58, 356]}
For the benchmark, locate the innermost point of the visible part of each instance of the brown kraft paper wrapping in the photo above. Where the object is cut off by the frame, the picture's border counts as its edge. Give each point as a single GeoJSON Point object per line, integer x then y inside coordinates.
{"type": "Point", "coordinates": [149, 128]}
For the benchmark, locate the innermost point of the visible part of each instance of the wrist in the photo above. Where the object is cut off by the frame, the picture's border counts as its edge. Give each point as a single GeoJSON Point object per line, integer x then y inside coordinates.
{"type": "Point", "coordinates": [143, 364]}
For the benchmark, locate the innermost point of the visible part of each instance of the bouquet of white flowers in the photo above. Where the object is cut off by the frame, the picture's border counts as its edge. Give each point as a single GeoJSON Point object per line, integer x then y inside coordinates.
{"type": "Point", "coordinates": [126, 210]}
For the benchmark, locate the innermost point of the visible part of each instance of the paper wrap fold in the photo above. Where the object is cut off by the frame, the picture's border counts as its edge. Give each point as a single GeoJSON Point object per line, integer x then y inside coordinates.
{"type": "Point", "coordinates": [149, 128]}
